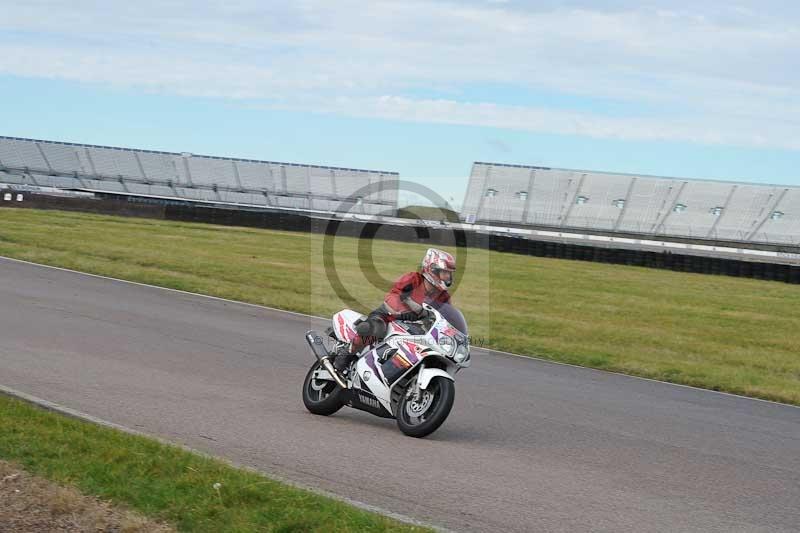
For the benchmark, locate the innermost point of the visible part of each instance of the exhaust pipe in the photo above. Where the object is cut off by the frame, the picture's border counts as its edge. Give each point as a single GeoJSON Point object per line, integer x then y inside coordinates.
{"type": "Point", "coordinates": [321, 353]}
{"type": "Point", "coordinates": [332, 371]}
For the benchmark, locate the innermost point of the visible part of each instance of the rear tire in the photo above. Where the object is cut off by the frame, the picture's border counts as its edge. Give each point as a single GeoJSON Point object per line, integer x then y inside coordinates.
{"type": "Point", "coordinates": [423, 417]}
{"type": "Point", "coordinates": [321, 396]}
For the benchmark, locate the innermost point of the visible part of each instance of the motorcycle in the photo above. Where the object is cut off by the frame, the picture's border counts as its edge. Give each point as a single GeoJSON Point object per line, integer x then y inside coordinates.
{"type": "Point", "coordinates": [408, 376]}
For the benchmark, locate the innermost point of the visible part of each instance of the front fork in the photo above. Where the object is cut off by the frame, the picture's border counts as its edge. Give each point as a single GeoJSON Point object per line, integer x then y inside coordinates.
{"type": "Point", "coordinates": [414, 391]}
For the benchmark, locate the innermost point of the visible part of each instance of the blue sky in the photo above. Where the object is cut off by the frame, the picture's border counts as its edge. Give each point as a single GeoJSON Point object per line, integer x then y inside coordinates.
{"type": "Point", "coordinates": [422, 88]}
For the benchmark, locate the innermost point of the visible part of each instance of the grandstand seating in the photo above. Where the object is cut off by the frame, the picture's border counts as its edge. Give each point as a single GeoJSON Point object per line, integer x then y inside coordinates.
{"type": "Point", "coordinates": [195, 177]}
{"type": "Point", "coordinates": [702, 209]}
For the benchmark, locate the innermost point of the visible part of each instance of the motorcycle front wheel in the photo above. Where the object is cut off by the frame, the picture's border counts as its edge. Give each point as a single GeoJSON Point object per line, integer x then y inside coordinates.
{"type": "Point", "coordinates": [321, 396]}
{"type": "Point", "coordinates": [422, 416]}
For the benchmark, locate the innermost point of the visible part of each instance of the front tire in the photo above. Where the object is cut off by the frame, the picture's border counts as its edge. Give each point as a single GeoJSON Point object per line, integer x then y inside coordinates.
{"type": "Point", "coordinates": [422, 417]}
{"type": "Point", "coordinates": [321, 396]}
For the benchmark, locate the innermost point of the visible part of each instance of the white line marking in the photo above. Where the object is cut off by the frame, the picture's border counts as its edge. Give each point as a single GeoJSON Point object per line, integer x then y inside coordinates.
{"type": "Point", "coordinates": [73, 413]}
{"type": "Point", "coordinates": [487, 350]}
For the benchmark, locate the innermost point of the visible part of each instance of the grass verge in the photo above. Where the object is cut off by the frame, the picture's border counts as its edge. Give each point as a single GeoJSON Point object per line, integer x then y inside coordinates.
{"type": "Point", "coordinates": [165, 482]}
{"type": "Point", "coordinates": [32, 503]}
{"type": "Point", "coordinates": [722, 333]}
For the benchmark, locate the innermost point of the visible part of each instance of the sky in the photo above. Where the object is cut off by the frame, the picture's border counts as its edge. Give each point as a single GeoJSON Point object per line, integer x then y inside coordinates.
{"type": "Point", "coordinates": [673, 88]}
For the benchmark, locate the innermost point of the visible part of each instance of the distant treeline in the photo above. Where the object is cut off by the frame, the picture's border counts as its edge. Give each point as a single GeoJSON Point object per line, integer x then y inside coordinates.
{"type": "Point", "coordinates": [427, 213]}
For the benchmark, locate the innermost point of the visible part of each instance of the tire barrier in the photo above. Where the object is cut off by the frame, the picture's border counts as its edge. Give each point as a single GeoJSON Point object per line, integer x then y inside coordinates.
{"type": "Point", "coordinates": [643, 258]}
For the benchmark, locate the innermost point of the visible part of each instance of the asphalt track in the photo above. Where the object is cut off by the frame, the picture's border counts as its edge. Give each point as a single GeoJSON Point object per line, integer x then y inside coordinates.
{"type": "Point", "coordinates": [529, 446]}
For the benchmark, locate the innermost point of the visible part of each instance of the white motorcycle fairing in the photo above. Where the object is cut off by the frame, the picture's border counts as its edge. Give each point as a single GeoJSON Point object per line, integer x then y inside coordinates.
{"type": "Point", "coordinates": [408, 376]}
{"type": "Point", "coordinates": [380, 368]}
{"type": "Point", "coordinates": [427, 374]}
{"type": "Point", "coordinates": [343, 324]}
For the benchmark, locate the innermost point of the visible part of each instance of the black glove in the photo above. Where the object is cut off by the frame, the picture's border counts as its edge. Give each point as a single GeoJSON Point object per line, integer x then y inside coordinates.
{"type": "Point", "coordinates": [414, 315]}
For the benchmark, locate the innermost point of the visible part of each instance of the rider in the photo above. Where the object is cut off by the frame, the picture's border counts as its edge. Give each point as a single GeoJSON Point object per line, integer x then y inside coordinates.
{"type": "Point", "coordinates": [404, 301]}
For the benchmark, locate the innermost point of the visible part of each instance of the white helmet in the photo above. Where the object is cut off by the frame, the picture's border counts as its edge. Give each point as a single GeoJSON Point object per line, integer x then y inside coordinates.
{"type": "Point", "coordinates": [434, 264]}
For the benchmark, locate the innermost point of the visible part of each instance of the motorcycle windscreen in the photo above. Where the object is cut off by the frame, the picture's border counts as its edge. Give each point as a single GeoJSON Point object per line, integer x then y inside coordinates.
{"type": "Point", "coordinates": [453, 316]}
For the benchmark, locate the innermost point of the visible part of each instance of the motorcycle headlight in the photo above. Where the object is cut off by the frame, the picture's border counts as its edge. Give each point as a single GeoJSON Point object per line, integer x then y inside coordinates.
{"type": "Point", "coordinates": [461, 353]}
{"type": "Point", "coordinates": [447, 344]}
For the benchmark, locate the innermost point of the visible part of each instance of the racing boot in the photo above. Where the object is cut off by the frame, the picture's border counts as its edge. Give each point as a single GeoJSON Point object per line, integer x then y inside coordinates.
{"type": "Point", "coordinates": [344, 356]}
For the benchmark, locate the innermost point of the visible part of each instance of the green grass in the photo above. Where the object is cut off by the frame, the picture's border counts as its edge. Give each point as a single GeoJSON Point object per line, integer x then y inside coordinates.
{"type": "Point", "coordinates": [722, 333]}
{"type": "Point", "coordinates": [166, 482]}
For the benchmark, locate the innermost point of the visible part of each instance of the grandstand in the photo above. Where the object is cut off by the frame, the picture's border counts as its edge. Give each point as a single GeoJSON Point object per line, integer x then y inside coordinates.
{"type": "Point", "coordinates": [196, 178]}
{"type": "Point", "coordinates": [531, 196]}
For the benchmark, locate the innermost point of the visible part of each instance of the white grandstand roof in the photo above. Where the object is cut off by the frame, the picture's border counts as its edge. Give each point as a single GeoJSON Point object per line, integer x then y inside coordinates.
{"type": "Point", "coordinates": [528, 195]}
{"type": "Point", "coordinates": [633, 175]}
{"type": "Point", "coordinates": [185, 154]}
{"type": "Point", "coordinates": [237, 181]}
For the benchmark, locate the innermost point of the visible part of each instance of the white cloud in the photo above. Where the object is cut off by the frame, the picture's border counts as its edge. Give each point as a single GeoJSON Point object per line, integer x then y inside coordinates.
{"type": "Point", "coordinates": [727, 130]}
{"type": "Point", "coordinates": [718, 73]}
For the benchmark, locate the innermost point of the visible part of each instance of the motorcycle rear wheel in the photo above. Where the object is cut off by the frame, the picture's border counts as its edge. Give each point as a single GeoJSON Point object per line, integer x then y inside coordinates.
{"type": "Point", "coordinates": [321, 397]}
{"type": "Point", "coordinates": [422, 417]}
